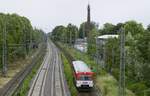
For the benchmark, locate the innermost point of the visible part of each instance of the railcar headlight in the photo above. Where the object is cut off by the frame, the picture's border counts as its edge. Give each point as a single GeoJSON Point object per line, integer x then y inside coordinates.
{"type": "Point", "coordinates": [78, 84]}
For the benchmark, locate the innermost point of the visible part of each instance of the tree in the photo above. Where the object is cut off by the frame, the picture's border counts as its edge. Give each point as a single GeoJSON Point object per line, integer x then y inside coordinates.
{"type": "Point", "coordinates": [108, 29]}
{"type": "Point", "coordinates": [72, 31]}
{"type": "Point", "coordinates": [19, 32]}
{"type": "Point", "coordinates": [57, 32]}
{"type": "Point", "coordinates": [112, 54]}
{"type": "Point", "coordinates": [91, 40]}
{"type": "Point", "coordinates": [148, 27]}
{"type": "Point", "coordinates": [65, 34]}
{"type": "Point", "coordinates": [133, 27]}
{"type": "Point", "coordinates": [83, 29]}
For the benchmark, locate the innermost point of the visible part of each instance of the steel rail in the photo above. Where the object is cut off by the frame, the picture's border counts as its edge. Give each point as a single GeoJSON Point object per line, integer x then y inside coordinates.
{"type": "Point", "coordinates": [44, 67]}
{"type": "Point", "coordinates": [59, 77]}
{"type": "Point", "coordinates": [52, 83]}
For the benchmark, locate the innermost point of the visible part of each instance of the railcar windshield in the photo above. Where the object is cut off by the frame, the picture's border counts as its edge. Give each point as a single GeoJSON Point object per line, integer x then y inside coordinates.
{"type": "Point", "coordinates": [84, 77]}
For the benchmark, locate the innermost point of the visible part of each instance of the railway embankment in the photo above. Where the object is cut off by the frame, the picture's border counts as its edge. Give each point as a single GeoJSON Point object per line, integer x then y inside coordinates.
{"type": "Point", "coordinates": [106, 83]}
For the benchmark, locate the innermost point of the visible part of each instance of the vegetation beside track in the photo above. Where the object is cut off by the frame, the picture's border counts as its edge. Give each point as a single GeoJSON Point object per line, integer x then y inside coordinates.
{"type": "Point", "coordinates": [107, 84]}
{"type": "Point", "coordinates": [20, 38]}
{"type": "Point", "coordinates": [69, 76]}
{"type": "Point", "coordinates": [137, 45]}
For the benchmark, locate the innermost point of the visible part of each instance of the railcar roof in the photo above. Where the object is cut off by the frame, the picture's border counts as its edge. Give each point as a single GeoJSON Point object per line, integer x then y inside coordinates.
{"type": "Point", "coordinates": [80, 66]}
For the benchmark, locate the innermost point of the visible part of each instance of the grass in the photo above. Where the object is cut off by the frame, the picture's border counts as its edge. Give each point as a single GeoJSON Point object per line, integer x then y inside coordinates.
{"type": "Point", "coordinates": [80, 56]}
{"type": "Point", "coordinates": [107, 84]}
{"type": "Point", "coordinates": [14, 66]}
{"type": "Point", "coordinates": [69, 76]}
{"type": "Point", "coordinates": [13, 70]}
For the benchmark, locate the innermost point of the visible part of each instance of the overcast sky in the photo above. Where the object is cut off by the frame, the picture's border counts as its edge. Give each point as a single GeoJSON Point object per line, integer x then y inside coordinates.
{"type": "Point", "coordinates": [46, 14]}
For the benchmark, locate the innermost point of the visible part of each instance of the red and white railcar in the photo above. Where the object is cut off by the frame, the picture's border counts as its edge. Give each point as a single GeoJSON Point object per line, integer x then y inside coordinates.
{"type": "Point", "coordinates": [83, 75]}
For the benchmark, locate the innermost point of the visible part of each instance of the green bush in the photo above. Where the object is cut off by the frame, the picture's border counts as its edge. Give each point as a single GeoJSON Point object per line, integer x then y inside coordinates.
{"type": "Point", "coordinates": [69, 76]}
{"type": "Point", "coordinates": [138, 87]}
{"type": "Point", "coordinates": [115, 73]}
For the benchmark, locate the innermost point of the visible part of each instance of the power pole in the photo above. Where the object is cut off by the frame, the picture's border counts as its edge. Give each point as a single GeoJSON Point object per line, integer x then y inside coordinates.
{"type": "Point", "coordinates": [104, 57]}
{"type": "Point", "coordinates": [70, 38]}
{"type": "Point", "coordinates": [113, 60]}
{"type": "Point", "coordinates": [122, 64]}
{"type": "Point", "coordinates": [31, 42]}
{"type": "Point", "coordinates": [76, 37]}
{"type": "Point", "coordinates": [26, 43]}
{"type": "Point", "coordinates": [84, 38]}
{"type": "Point", "coordinates": [97, 53]}
{"type": "Point", "coordinates": [4, 57]}
{"type": "Point", "coordinates": [97, 57]}
{"type": "Point", "coordinates": [83, 30]}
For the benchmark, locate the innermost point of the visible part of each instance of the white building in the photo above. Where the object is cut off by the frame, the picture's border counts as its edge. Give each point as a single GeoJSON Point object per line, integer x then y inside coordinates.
{"type": "Point", "coordinates": [103, 38]}
{"type": "Point", "coordinates": [81, 45]}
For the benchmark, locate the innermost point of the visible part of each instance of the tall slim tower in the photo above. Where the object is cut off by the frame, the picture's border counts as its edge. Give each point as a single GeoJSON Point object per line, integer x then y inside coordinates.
{"type": "Point", "coordinates": [88, 29]}
{"type": "Point", "coordinates": [88, 22]}
{"type": "Point", "coordinates": [88, 14]}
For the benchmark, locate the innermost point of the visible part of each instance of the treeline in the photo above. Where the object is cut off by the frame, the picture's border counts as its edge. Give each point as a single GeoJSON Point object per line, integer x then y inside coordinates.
{"type": "Point", "coordinates": [66, 34]}
{"type": "Point", "coordinates": [137, 48]}
{"type": "Point", "coordinates": [137, 45]}
{"type": "Point", "coordinates": [69, 33]}
{"type": "Point", "coordinates": [20, 36]}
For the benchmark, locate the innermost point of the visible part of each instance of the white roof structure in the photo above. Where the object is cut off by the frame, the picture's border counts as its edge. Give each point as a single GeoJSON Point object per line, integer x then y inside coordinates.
{"type": "Point", "coordinates": [80, 66]}
{"type": "Point", "coordinates": [107, 36]}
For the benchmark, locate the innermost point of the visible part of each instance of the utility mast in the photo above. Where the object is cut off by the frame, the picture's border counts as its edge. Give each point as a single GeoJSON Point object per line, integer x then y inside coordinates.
{"type": "Point", "coordinates": [4, 56]}
{"type": "Point", "coordinates": [122, 63]}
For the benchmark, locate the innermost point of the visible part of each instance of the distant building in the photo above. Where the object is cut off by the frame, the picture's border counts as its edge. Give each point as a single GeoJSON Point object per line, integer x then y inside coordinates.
{"type": "Point", "coordinates": [105, 37]}
{"type": "Point", "coordinates": [81, 45]}
{"type": "Point", "coordinates": [79, 41]}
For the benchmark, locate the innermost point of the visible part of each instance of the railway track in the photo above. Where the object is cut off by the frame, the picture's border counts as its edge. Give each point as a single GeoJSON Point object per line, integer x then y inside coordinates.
{"type": "Point", "coordinates": [58, 77]}
{"type": "Point", "coordinates": [94, 91]}
{"type": "Point", "coordinates": [49, 80]}
{"type": "Point", "coordinates": [14, 85]}
{"type": "Point", "coordinates": [38, 83]}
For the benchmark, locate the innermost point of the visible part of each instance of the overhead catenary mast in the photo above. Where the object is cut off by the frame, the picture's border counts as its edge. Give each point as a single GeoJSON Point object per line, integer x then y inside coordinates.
{"type": "Point", "coordinates": [122, 63]}
{"type": "Point", "coordinates": [4, 56]}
